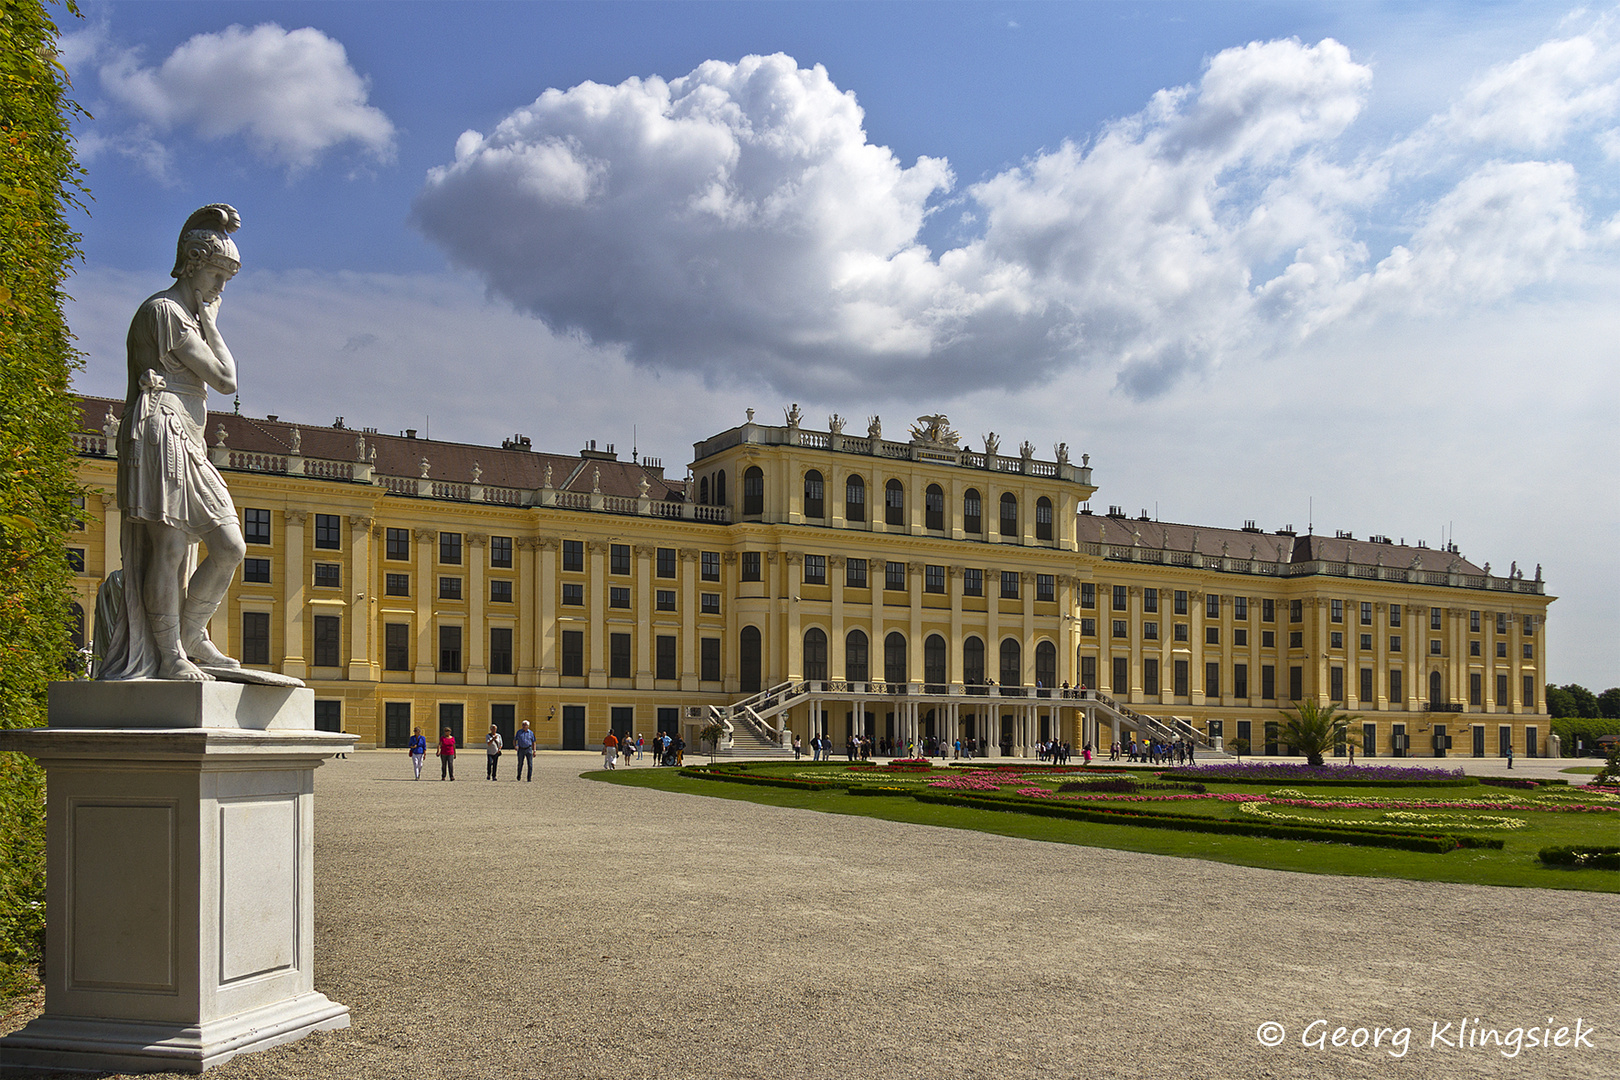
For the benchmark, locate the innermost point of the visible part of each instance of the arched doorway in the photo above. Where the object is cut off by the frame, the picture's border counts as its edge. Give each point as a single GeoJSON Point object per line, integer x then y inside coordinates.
{"type": "Point", "coordinates": [815, 654]}
{"type": "Point", "coordinates": [894, 658]}
{"type": "Point", "coordinates": [1012, 662]}
{"type": "Point", "coordinates": [934, 665]}
{"type": "Point", "coordinates": [856, 657]}
{"type": "Point", "coordinates": [748, 657]}
{"type": "Point", "coordinates": [1046, 666]}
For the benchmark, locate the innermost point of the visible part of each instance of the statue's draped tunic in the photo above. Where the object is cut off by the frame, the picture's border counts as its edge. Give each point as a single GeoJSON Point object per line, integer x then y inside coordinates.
{"type": "Point", "coordinates": [164, 475]}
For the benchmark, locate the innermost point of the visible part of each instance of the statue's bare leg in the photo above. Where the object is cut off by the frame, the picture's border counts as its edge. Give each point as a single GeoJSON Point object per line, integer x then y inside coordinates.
{"type": "Point", "coordinates": [161, 594]}
{"type": "Point", "coordinates": [204, 592]}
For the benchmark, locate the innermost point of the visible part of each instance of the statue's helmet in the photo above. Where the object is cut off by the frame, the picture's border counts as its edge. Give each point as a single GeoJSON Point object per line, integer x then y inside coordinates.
{"type": "Point", "coordinates": [205, 238]}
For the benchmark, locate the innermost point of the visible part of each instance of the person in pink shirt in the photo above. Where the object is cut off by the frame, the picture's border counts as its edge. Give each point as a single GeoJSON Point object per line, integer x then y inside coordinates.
{"type": "Point", "coordinates": [447, 756]}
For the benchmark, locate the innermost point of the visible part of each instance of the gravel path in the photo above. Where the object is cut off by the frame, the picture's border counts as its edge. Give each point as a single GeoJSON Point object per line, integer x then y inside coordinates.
{"type": "Point", "coordinates": [567, 928]}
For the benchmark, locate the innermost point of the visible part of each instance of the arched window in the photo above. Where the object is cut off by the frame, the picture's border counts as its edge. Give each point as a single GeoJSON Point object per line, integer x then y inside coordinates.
{"type": "Point", "coordinates": [856, 668]}
{"type": "Point", "coordinates": [1043, 518]}
{"type": "Point", "coordinates": [1009, 514]}
{"type": "Point", "coordinates": [894, 503]}
{"type": "Point", "coordinates": [753, 491]}
{"type": "Point", "coordinates": [720, 488]}
{"type": "Point", "coordinates": [1436, 693]}
{"type": "Point", "coordinates": [814, 503]}
{"type": "Point", "coordinates": [815, 654]}
{"type": "Point", "coordinates": [1012, 663]}
{"type": "Point", "coordinates": [703, 491]}
{"type": "Point", "coordinates": [748, 656]}
{"type": "Point", "coordinates": [855, 498]}
{"type": "Point", "coordinates": [973, 662]}
{"type": "Point", "coordinates": [972, 513]}
{"type": "Point", "coordinates": [894, 658]}
{"type": "Point", "coordinates": [1046, 665]}
{"type": "Point", "coordinates": [934, 672]}
{"type": "Point", "coordinates": [934, 508]}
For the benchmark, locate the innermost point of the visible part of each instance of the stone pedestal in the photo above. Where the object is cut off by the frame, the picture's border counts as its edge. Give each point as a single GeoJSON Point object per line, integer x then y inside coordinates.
{"type": "Point", "coordinates": [179, 833]}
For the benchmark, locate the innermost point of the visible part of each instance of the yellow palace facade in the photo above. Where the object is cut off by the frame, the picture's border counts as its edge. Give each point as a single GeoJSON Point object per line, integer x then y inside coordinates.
{"type": "Point", "coordinates": [803, 581]}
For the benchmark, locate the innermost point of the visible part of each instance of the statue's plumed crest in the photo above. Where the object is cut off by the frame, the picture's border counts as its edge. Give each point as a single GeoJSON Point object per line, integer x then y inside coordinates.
{"type": "Point", "coordinates": [216, 222]}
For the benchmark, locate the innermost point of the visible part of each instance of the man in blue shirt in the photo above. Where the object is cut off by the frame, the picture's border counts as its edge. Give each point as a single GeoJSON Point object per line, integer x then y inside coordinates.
{"type": "Point", "coordinates": [524, 741]}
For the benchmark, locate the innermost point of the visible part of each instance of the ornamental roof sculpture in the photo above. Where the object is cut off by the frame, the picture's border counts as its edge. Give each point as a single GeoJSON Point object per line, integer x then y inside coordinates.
{"type": "Point", "coordinates": [935, 431]}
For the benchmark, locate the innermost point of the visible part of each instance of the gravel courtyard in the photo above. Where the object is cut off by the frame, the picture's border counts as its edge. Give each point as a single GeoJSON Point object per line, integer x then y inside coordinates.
{"type": "Point", "coordinates": [566, 928]}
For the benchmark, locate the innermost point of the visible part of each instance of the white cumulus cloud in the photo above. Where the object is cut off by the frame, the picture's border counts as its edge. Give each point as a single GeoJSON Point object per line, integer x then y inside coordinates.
{"type": "Point", "coordinates": [292, 94]}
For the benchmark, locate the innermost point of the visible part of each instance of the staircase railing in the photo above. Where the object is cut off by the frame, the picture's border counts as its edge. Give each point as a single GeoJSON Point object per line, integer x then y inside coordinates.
{"type": "Point", "coordinates": [1170, 728]}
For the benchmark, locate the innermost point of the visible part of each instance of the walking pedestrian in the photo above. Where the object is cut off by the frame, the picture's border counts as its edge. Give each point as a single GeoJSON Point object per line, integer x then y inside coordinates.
{"type": "Point", "coordinates": [610, 751]}
{"type": "Point", "coordinates": [447, 756]}
{"type": "Point", "coordinates": [523, 741]}
{"type": "Point", "coordinates": [418, 752]}
{"type": "Point", "coordinates": [492, 749]}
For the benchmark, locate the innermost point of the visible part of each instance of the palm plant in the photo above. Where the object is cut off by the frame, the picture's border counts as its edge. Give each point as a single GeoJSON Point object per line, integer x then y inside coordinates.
{"type": "Point", "coordinates": [1312, 729]}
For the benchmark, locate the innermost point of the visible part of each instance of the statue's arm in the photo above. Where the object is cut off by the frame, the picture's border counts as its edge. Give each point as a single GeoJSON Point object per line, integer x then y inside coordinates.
{"type": "Point", "coordinates": [208, 355]}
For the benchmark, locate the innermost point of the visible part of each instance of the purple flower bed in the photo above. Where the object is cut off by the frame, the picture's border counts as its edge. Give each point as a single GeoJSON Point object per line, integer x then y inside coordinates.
{"type": "Point", "coordinates": [1266, 773]}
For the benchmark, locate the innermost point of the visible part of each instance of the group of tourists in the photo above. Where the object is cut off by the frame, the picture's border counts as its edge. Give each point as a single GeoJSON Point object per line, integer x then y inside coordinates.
{"type": "Point", "coordinates": [1155, 752]}
{"type": "Point", "coordinates": [666, 749]}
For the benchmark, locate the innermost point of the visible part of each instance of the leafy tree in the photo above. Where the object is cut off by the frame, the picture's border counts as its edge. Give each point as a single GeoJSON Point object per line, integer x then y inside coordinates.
{"type": "Point", "coordinates": [1582, 700]}
{"type": "Point", "coordinates": [1559, 703]}
{"type": "Point", "coordinates": [1314, 729]}
{"type": "Point", "coordinates": [39, 182]}
{"type": "Point", "coordinates": [1609, 703]}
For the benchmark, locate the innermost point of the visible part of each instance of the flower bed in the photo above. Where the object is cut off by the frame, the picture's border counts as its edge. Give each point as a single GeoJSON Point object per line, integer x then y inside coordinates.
{"type": "Point", "coordinates": [1342, 775]}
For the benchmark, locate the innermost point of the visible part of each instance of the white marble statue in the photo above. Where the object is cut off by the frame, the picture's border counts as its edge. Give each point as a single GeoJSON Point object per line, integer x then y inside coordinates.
{"type": "Point", "coordinates": [153, 621]}
{"type": "Point", "coordinates": [794, 416]}
{"type": "Point", "coordinates": [835, 424]}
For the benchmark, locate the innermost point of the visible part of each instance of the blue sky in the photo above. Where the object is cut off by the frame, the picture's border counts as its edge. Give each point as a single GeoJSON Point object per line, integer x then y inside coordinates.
{"type": "Point", "coordinates": [1253, 258]}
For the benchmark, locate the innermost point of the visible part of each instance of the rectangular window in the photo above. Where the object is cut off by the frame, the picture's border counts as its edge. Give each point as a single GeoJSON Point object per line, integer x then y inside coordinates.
{"type": "Point", "coordinates": [327, 534]}
{"type": "Point", "coordinates": [1473, 622]}
{"type": "Point", "coordinates": [396, 724]}
{"type": "Point", "coordinates": [1296, 683]}
{"type": "Point", "coordinates": [1434, 646]}
{"type": "Point", "coordinates": [1335, 684]}
{"type": "Point", "coordinates": [1150, 631]}
{"type": "Point", "coordinates": [500, 552]}
{"type": "Point", "coordinates": [1529, 625]}
{"type": "Point", "coordinates": [1181, 631]}
{"type": "Point", "coordinates": [1088, 627]}
{"type": "Point", "coordinates": [1501, 650]}
{"type": "Point", "coordinates": [1366, 614]}
{"type": "Point", "coordinates": [1501, 622]}
{"type": "Point", "coordinates": [500, 650]}
{"type": "Point", "coordinates": [1296, 639]}
{"type": "Point", "coordinates": [894, 576]}
{"type": "Point", "coordinates": [1473, 649]}
{"type": "Point", "coordinates": [328, 641]}
{"type": "Point", "coordinates": [573, 594]}
{"type": "Point", "coordinates": [1336, 639]}
{"type": "Point", "coordinates": [1045, 587]}
{"type": "Point", "coordinates": [255, 525]}
{"type": "Point", "coordinates": [1369, 740]}
{"type": "Point", "coordinates": [1395, 643]}
{"type": "Point", "coordinates": [329, 716]}
{"type": "Point", "coordinates": [450, 548]}
{"type": "Point", "coordinates": [1434, 618]}
{"type": "Point", "coordinates": [397, 584]}
{"type": "Point", "coordinates": [1088, 594]}
{"type": "Point", "coordinates": [1009, 584]}
{"type": "Point", "coordinates": [972, 582]}
{"type": "Point", "coordinates": [1179, 672]}
{"type": "Point", "coordinates": [1268, 639]}
{"type": "Point", "coordinates": [397, 646]}
{"type": "Point", "coordinates": [618, 656]}
{"type": "Point", "coordinates": [710, 563]}
{"type": "Point", "coordinates": [1529, 698]}
{"type": "Point", "coordinates": [256, 570]}
{"type": "Point", "coordinates": [1212, 681]}
{"type": "Point", "coordinates": [1122, 675]}
{"type": "Point", "coordinates": [1366, 641]}
{"type": "Point", "coordinates": [618, 558]}
{"type": "Point", "coordinates": [1121, 599]}
{"type": "Point", "coordinates": [855, 573]}
{"type": "Point", "coordinates": [1150, 600]}
{"type": "Point", "coordinates": [1181, 601]}
{"type": "Point", "coordinates": [573, 653]}
{"type": "Point", "coordinates": [815, 569]}
{"type": "Point", "coordinates": [1212, 635]}
{"type": "Point", "coordinates": [665, 600]}
{"type": "Point", "coordinates": [328, 575]}
{"type": "Point", "coordinates": [1394, 614]}
{"type": "Point", "coordinates": [1240, 608]}
{"type": "Point", "coordinates": [709, 603]}
{"type": "Point", "coordinates": [1397, 693]}
{"type": "Point", "coordinates": [1120, 628]}
{"type": "Point", "coordinates": [1240, 637]}
{"type": "Point", "coordinates": [75, 560]}
{"type": "Point", "coordinates": [619, 597]}
{"type": "Point", "coordinates": [751, 568]}
{"type": "Point", "coordinates": [1529, 651]}
{"type": "Point", "coordinates": [709, 659]}
{"type": "Point", "coordinates": [255, 637]}
{"type": "Point", "coordinates": [934, 579]}
{"type": "Point", "coordinates": [1296, 611]}
{"type": "Point", "coordinates": [1268, 683]}
{"type": "Point", "coordinates": [450, 648]}
{"type": "Point", "coordinates": [1502, 691]}
{"type": "Point", "coordinates": [449, 588]}
{"type": "Point", "coordinates": [665, 653]}
{"type": "Point", "coordinates": [1336, 611]}
{"type": "Point", "coordinates": [1268, 610]}
{"type": "Point", "coordinates": [1476, 688]}
{"type": "Point", "coordinates": [573, 552]}
{"type": "Point", "coordinates": [1088, 672]}
{"type": "Point", "coordinates": [1240, 681]}
{"type": "Point", "coordinates": [1212, 606]}
{"type": "Point", "coordinates": [1150, 677]}
{"type": "Point", "coordinates": [500, 591]}
{"type": "Point", "coordinates": [665, 563]}
{"type": "Point", "coordinates": [398, 544]}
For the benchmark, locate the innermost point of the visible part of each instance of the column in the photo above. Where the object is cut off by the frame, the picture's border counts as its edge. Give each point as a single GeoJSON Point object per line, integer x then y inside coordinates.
{"type": "Point", "coordinates": [1026, 592]}
{"type": "Point", "coordinates": [914, 629]}
{"type": "Point", "coordinates": [793, 662]}
{"type": "Point", "coordinates": [477, 632]}
{"type": "Point", "coordinates": [528, 673]}
{"type": "Point", "coordinates": [545, 600]}
{"type": "Point", "coordinates": [835, 637]}
{"type": "Point", "coordinates": [644, 632]}
{"type": "Point", "coordinates": [688, 603]}
{"type": "Point", "coordinates": [427, 650]}
{"type": "Point", "coordinates": [774, 570]}
{"type": "Point", "coordinates": [597, 670]}
{"type": "Point", "coordinates": [292, 596]}
{"type": "Point", "coordinates": [113, 541]}
{"type": "Point", "coordinates": [953, 585]}
{"type": "Point", "coordinates": [1195, 649]}
{"type": "Point", "coordinates": [362, 665]}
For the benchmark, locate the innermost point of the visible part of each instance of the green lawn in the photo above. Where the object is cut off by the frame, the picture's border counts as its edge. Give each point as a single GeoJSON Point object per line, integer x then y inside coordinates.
{"type": "Point", "coordinates": [1514, 865]}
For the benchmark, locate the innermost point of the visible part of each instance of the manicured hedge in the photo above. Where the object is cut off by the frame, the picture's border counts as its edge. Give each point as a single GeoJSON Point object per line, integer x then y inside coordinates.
{"type": "Point", "coordinates": [1585, 858]}
{"type": "Point", "coordinates": [735, 776]}
{"type": "Point", "coordinates": [1298, 781]}
{"type": "Point", "coordinates": [1147, 819]}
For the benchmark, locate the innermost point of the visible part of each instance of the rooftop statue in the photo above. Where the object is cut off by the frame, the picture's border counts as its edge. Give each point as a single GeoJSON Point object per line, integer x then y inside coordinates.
{"type": "Point", "coordinates": [935, 430]}
{"type": "Point", "coordinates": [152, 616]}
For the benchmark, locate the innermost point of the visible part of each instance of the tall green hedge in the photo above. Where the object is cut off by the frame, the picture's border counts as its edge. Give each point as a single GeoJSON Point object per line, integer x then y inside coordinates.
{"type": "Point", "coordinates": [40, 182]}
